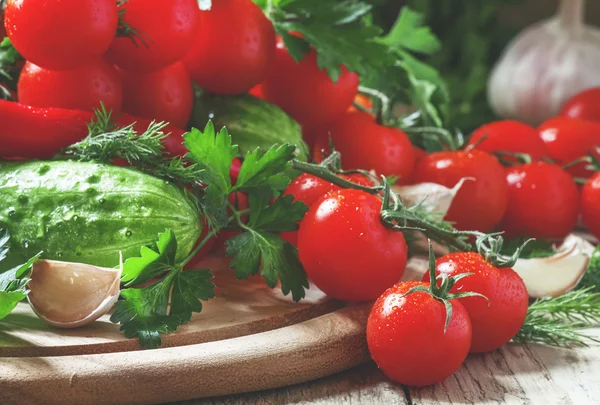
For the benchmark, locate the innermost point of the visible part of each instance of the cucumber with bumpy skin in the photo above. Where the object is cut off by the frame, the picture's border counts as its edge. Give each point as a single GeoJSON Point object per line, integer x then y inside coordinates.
{"type": "Point", "coordinates": [89, 212]}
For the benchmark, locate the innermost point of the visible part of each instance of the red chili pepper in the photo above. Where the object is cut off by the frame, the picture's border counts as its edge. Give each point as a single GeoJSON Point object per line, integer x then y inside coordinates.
{"type": "Point", "coordinates": [173, 142]}
{"type": "Point", "coordinates": [30, 132]}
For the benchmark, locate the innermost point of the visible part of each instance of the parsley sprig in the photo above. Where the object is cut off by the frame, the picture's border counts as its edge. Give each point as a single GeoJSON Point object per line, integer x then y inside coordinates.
{"type": "Point", "coordinates": [14, 281]}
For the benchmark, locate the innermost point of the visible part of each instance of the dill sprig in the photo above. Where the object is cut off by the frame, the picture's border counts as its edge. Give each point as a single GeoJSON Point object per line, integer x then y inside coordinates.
{"type": "Point", "coordinates": [559, 321]}
{"type": "Point", "coordinates": [106, 142]}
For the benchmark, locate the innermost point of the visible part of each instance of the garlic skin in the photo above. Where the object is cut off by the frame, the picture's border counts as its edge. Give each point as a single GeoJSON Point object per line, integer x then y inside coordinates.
{"type": "Point", "coordinates": [556, 275]}
{"type": "Point", "coordinates": [545, 65]}
{"type": "Point", "coordinates": [432, 197]}
{"type": "Point", "coordinates": [70, 295]}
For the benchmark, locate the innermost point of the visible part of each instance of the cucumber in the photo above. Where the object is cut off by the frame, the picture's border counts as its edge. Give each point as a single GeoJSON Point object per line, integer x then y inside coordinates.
{"type": "Point", "coordinates": [252, 122]}
{"type": "Point", "coordinates": [89, 212]}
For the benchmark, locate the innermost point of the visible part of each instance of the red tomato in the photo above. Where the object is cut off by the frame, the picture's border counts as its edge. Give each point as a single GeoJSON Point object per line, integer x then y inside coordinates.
{"type": "Point", "coordinates": [345, 249]}
{"type": "Point", "coordinates": [257, 91]}
{"type": "Point", "coordinates": [2, 30]}
{"type": "Point", "coordinates": [419, 154]}
{"type": "Point", "coordinates": [306, 92]}
{"type": "Point", "coordinates": [568, 139]}
{"type": "Point", "coordinates": [543, 201]}
{"type": "Point", "coordinates": [585, 105]}
{"type": "Point", "coordinates": [166, 95]}
{"type": "Point", "coordinates": [167, 29]}
{"type": "Point", "coordinates": [590, 204]}
{"type": "Point", "coordinates": [480, 203]}
{"type": "Point", "coordinates": [234, 170]}
{"type": "Point", "coordinates": [62, 34]}
{"type": "Point", "coordinates": [495, 324]}
{"type": "Point", "coordinates": [364, 144]}
{"type": "Point", "coordinates": [308, 189]}
{"type": "Point", "coordinates": [83, 88]}
{"type": "Point", "coordinates": [509, 136]}
{"type": "Point", "coordinates": [233, 48]}
{"type": "Point", "coordinates": [406, 336]}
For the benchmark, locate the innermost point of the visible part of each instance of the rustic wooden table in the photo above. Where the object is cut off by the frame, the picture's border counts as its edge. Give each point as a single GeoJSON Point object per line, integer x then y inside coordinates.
{"type": "Point", "coordinates": [516, 374]}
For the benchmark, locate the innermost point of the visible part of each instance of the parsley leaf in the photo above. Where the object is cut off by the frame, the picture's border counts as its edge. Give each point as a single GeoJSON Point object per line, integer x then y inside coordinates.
{"type": "Point", "coordinates": [409, 33]}
{"type": "Point", "coordinates": [13, 281]}
{"type": "Point", "coordinates": [259, 248]}
{"type": "Point", "coordinates": [275, 258]}
{"type": "Point", "coordinates": [262, 169]}
{"type": "Point", "coordinates": [144, 312]}
{"type": "Point", "coordinates": [212, 152]}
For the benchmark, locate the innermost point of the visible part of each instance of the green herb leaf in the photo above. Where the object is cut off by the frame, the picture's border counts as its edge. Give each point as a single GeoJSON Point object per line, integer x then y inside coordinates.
{"type": "Point", "coordinates": [264, 169]}
{"type": "Point", "coordinates": [409, 33]}
{"type": "Point", "coordinates": [275, 258]}
{"type": "Point", "coordinates": [282, 215]}
{"type": "Point", "coordinates": [154, 260]}
{"type": "Point", "coordinates": [144, 312]}
{"type": "Point", "coordinates": [591, 278]}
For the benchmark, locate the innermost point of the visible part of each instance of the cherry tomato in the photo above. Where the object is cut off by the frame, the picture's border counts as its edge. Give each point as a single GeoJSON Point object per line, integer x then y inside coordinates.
{"type": "Point", "coordinates": [364, 144]}
{"type": "Point", "coordinates": [257, 92]}
{"type": "Point", "coordinates": [308, 189]}
{"type": "Point", "coordinates": [234, 170]}
{"type": "Point", "coordinates": [166, 31]}
{"type": "Point", "coordinates": [568, 139]}
{"type": "Point", "coordinates": [233, 48]}
{"type": "Point", "coordinates": [306, 92]}
{"type": "Point", "coordinates": [543, 201]}
{"type": "Point", "coordinates": [496, 323]}
{"type": "Point", "coordinates": [480, 203]}
{"type": "Point", "coordinates": [166, 95]}
{"type": "Point", "coordinates": [590, 204]}
{"type": "Point", "coordinates": [419, 154]}
{"type": "Point", "coordinates": [406, 336]}
{"type": "Point", "coordinates": [509, 136]}
{"type": "Point", "coordinates": [345, 249]}
{"type": "Point", "coordinates": [64, 34]}
{"type": "Point", "coordinates": [84, 88]}
{"type": "Point", "coordinates": [585, 105]}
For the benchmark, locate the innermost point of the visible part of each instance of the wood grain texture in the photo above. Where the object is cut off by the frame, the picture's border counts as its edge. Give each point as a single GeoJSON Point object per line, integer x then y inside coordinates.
{"type": "Point", "coordinates": [302, 352]}
{"type": "Point", "coordinates": [240, 308]}
{"type": "Point", "coordinates": [515, 374]}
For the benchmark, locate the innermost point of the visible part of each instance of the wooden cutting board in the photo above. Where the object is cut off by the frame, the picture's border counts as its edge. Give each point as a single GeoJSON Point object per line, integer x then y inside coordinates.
{"type": "Point", "coordinates": [248, 338]}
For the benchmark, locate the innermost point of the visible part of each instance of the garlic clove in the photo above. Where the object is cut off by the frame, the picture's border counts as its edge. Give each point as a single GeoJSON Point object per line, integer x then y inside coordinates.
{"type": "Point", "coordinates": [70, 295]}
{"type": "Point", "coordinates": [558, 274]}
{"type": "Point", "coordinates": [432, 197]}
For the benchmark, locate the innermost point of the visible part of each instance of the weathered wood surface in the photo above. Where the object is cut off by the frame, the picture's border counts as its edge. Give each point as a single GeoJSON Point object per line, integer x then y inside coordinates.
{"type": "Point", "coordinates": [516, 374]}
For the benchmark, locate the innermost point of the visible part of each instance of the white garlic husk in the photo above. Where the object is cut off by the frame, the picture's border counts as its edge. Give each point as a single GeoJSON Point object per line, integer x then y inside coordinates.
{"type": "Point", "coordinates": [558, 274]}
{"type": "Point", "coordinates": [430, 196]}
{"type": "Point", "coordinates": [70, 295]}
{"type": "Point", "coordinates": [545, 65]}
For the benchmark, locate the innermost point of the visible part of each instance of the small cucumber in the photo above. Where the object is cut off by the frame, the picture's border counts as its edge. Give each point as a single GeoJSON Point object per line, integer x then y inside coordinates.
{"type": "Point", "coordinates": [89, 212]}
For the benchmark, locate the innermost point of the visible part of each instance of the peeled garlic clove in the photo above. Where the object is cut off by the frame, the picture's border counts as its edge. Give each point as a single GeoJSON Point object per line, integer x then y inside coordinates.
{"type": "Point", "coordinates": [432, 197]}
{"type": "Point", "coordinates": [69, 295]}
{"type": "Point", "coordinates": [545, 65]}
{"type": "Point", "coordinates": [558, 274]}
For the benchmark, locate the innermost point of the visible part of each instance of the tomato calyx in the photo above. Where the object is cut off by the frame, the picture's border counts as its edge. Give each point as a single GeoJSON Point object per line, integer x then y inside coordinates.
{"type": "Point", "coordinates": [442, 292]}
{"type": "Point", "coordinates": [490, 247]}
{"type": "Point", "coordinates": [514, 158]}
{"type": "Point", "coordinates": [127, 31]}
{"type": "Point", "coordinates": [593, 163]}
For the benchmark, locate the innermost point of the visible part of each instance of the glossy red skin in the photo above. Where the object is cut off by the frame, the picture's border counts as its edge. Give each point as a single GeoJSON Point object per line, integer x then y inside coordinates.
{"type": "Point", "coordinates": [479, 204]}
{"type": "Point", "coordinates": [168, 29]}
{"type": "Point", "coordinates": [234, 170]}
{"type": "Point", "coordinates": [308, 189]}
{"type": "Point", "coordinates": [257, 91]}
{"type": "Point", "coordinates": [406, 336]}
{"type": "Point", "coordinates": [63, 34]}
{"type": "Point", "coordinates": [494, 325]}
{"type": "Point", "coordinates": [345, 249]}
{"type": "Point", "coordinates": [307, 93]}
{"type": "Point", "coordinates": [568, 139]}
{"type": "Point", "coordinates": [174, 141]}
{"type": "Point", "coordinates": [585, 105]}
{"type": "Point", "coordinates": [166, 95]}
{"type": "Point", "coordinates": [590, 204]}
{"type": "Point", "coordinates": [233, 48]}
{"type": "Point", "coordinates": [419, 154]}
{"type": "Point", "coordinates": [543, 201]}
{"type": "Point", "coordinates": [364, 144]}
{"type": "Point", "coordinates": [509, 136]}
{"type": "Point", "coordinates": [83, 88]}
{"type": "Point", "coordinates": [29, 132]}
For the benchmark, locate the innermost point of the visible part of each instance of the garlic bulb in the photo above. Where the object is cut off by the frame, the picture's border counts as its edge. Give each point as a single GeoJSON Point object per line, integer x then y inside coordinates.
{"type": "Point", "coordinates": [69, 295]}
{"type": "Point", "coordinates": [432, 197]}
{"type": "Point", "coordinates": [545, 65]}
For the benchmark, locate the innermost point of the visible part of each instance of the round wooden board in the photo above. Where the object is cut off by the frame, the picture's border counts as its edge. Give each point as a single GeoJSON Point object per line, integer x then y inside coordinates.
{"type": "Point", "coordinates": [248, 338]}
